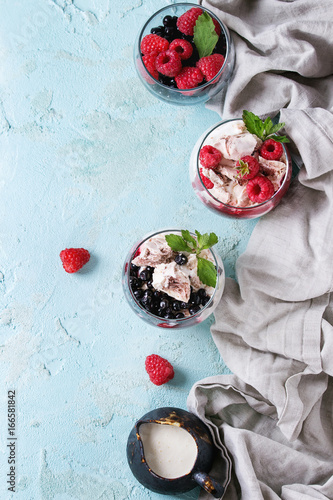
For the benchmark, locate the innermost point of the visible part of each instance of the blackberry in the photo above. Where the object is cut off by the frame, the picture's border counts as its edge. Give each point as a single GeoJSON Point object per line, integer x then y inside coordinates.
{"type": "Point", "coordinates": [180, 259]}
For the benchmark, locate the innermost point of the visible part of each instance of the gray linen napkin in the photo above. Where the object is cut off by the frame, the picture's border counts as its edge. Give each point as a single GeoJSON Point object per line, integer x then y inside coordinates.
{"type": "Point", "coordinates": [273, 326]}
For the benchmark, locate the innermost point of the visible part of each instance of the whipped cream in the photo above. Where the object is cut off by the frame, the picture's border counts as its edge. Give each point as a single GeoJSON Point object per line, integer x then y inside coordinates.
{"type": "Point", "coordinates": [168, 276]}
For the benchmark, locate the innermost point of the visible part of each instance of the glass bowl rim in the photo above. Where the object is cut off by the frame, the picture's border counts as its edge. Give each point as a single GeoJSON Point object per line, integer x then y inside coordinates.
{"type": "Point", "coordinates": [251, 207]}
{"type": "Point", "coordinates": [226, 59]}
{"type": "Point", "coordinates": [148, 313]}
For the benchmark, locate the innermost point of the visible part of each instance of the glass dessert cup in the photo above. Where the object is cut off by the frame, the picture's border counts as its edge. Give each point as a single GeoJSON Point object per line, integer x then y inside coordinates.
{"type": "Point", "coordinates": [183, 97]}
{"type": "Point", "coordinates": [216, 205]}
{"type": "Point", "coordinates": [187, 321]}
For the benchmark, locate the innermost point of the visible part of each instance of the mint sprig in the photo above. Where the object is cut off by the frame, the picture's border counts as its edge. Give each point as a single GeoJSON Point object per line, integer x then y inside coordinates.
{"type": "Point", "coordinates": [263, 130]}
{"type": "Point", "coordinates": [205, 36]}
{"type": "Point", "coordinates": [207, 272]}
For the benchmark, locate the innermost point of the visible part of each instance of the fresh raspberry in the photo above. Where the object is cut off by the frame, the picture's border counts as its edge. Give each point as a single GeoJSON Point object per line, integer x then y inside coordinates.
{"type": "Point", "coordinates": [168, 63]}
{"type": "Point", "coordinates": [153, 42]}
{"type": "Point", "coordinates": [149, 62]}
{"type": "Point", "coordinates": [209, 156]}
{"type": "Point", "coordinates": [210, 65]}
{"type": "Point", "coordinates": [271, 150]}
{"type": "Point", "coordinates": [186, 21]}
{"type": "Point", "coordinates": [189, 78]}
{"type": "Point", "coordinates": [159, 369]}
{"type": "Point", "coordinates": [249, 167]}
{"type": "Point", "coordinates": [259, 189]}
{"type": "Point", "coordinates": [207, 182]}
{"type": "Point", "coordinates": [183, 48]}
{"type": "Point", "coordinates": [74, 258]}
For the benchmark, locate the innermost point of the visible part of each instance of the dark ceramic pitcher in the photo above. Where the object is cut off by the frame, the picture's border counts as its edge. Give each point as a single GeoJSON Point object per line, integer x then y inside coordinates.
{"type": "Point", "coordinates": [203, 463]}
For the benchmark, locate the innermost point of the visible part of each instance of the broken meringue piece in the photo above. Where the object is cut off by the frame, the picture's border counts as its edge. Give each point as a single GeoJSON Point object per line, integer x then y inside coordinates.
{"type": "Point", "coordinates": [170, 279]}
{"type": "Point", "coordinates": [153, 252]}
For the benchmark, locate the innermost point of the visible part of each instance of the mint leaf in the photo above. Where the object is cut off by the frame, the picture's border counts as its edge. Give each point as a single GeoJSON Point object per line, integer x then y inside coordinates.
{"type": "Point", "coordinates": [206, 272]}
{"type": "Point", "coordinates": [253, 124]}
{"type": "Point", "coordinates": [177, 243]}
{"type": "Point", "coordinates": [187, 237]}
{"type": "Point", "coordinates": [276, 128]}
{"type": "Point", "coordinates": [280, 138]}
{"type": "Point", "coordinates": [205, 36]}
{"type": "Point", "coordinates": [206, 240]}
{"type": "Point", "coordinates": [261, 129]}
{"type": "Point", "coordinates": [268, 126]}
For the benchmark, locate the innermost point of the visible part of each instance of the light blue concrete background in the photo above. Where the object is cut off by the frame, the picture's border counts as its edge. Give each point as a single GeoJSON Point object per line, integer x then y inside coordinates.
{"type": "Point", "coordinates": [88, 158]}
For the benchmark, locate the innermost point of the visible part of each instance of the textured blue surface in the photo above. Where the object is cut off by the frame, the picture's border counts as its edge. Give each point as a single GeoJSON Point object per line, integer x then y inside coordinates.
{"type": "Point", "coordinates": [88, 158]}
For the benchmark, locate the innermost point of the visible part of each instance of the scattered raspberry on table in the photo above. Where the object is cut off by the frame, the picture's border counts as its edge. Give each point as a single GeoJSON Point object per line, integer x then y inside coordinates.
{"type": "Point", "coordinates": [74, 259]}
{"type": "Point", "coordinates": [159, 369]}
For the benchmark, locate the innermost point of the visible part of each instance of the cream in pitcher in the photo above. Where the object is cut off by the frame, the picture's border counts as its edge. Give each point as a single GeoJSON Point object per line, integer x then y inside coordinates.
{"type": "Point", "coordinates": [169, 451]}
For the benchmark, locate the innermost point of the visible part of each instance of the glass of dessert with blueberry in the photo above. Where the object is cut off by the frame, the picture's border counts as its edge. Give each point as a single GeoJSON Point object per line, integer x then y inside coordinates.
{"type": "Point", "coordinates": [241, 168]}
{"type": "Point", "coordinates": [184, 54]}
{"type": "Point", "coordinates": [174, 278]}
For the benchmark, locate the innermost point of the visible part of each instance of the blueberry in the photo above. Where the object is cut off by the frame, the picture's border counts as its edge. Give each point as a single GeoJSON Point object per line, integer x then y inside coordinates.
{"type": "Point", "coordinates": [205, 300]}
{"type": "Point", "coordinates": [180, 259]}
{"type": "Point", "coordinates": [164, 304]}
{"type": "Point", "coordinates": [183, 305]}
{"type": "Point", "coordinates": [170, 21]}
{"type": "Point", "coordinates": [147, 296]}
{"type": "Point", "coordinates": [133, 282]}
{"type": "Point", "coordinates": [194, 309]}
{"type": "Point", "coordinates": [180, 315]}
{"type": "Point", "coordinates": [195, 299]}
{"type": "Point", "coordinates": [145, 275]}
{"type": "Point", "coordinates": [170, 31]}
{"type": "Point", "coordinates": [157, 294]}
{"type": "Point", "coordinates": [202, 293]}
{"type": "Point", "coordinates": [134, 270]}
{"type": "Point", "coordinates": [168, 315]}
{"type": "Point", "coordinates": [172, 83]}
{"type": "Point", "coordinates": [157, 30]}
{"type": "Point", "coordinates": [150, 285]}
{"type": "Point", "coordinates": [175, 305]}
{"type": "Point", "coordinates": [138, 294]}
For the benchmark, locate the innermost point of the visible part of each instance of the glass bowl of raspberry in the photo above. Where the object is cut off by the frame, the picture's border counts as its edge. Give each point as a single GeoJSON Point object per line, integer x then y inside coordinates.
{"type": "Point", "coordinates": [163, 286]}
{"type": "Point", "coordinates": [238, 174]}
{"type": "Point", "coordinates": [184, 54]}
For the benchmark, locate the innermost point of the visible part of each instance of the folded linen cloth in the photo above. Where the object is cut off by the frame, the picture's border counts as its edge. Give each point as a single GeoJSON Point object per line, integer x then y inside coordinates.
{"type": "Point", "coordinates": [273, 326]}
